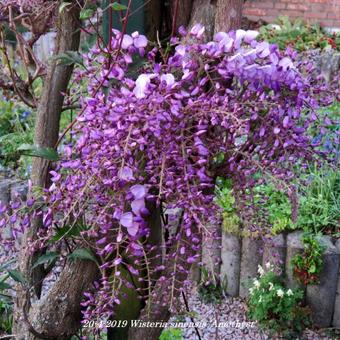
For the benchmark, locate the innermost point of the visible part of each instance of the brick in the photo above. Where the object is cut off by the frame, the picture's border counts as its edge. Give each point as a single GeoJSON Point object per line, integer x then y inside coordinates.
{"type": "Point", "coordinates": [293, 14]}
{"type": "Point", "coordinates": [254, 11]}
{"type": "Point", "coordinates": [327, 23]}
{"type": "Point", "coordinates": [297, 7]}
{"type": "Point", "coordinates": [272, 13]}
{"type": "Point", "coordinates": [264, 4]}
{"type": "Point", "coordinates": [292, 1]}
{"type": "Point", "coordinates": [280, 5]}
{"type": "Point", "coordinates": [315, 7]}
{"type": "Point", "coordinates": [333, 15]}
{"type": "Point", "coordinates": [316, 15]}
{"type": "Point", "coordinates": [319, 1]}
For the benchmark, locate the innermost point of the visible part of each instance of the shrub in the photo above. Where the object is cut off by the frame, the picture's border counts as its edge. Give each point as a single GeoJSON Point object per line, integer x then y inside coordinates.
{"type": "Point", "coordinates": [16, 128]}
{"type": "Point", "coordinates": [319, 208]}
{"type": "Point", "coordinates": [298, 35]}
{"type": "Point", "coordinates": [171, 334]}
{"type": "Point", "coordinates": [273, 306]}
{"type": "Point", "coordinates": [308, 265]}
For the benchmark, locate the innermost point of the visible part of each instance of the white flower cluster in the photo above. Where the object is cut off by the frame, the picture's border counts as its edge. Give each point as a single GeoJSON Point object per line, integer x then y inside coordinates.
{"type": "Point", "coordinates": [257, 284]}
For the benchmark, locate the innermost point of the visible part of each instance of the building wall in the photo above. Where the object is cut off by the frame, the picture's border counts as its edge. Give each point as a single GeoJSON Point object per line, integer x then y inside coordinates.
{"type": "Point", "coordinates": [325, 12]}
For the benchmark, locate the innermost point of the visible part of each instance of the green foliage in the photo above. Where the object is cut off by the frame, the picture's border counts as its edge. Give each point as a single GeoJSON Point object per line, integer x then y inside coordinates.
{"type": "Point", "coordinates": [308, 265]}
{"type": "Point", "coordinates": [69, 58]}
{"type": "Point", "coordinates": [171, 334]}
{"type": "Point", "coordinates": [226, 200]}
{"type": "Point", "coordinates": [6, 300]}
{"type": "Point", "coordinates": [277, 205]}
{"type": "Point", "coordinates": [275, 307]}
{"type": "Point", "coordinates": [211, 289]}
{"type": "Point", "coordinates": [35, 151]}
{"type": "Point", "coordinates": [48, 258]}
{"type": "Point", "coordinates": [16, 128]}
{"type": "Point", "coordinates": [82, 254]}
{"type": "Point", "coordinates": [319, 202]}
{"type": "Point", "coordinates": [299, 35]}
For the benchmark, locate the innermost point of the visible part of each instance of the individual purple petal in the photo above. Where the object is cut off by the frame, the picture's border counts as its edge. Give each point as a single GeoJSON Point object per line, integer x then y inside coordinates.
{"type": "Point", "coordinates": [137, 206]}
{"type": "Point", "coordinates": [197, 30]}
{"type": "Point", "coordinates": [285, 63]}
{"type": "Point", "coordinates": [168, 78]}
{"type": "Point", "coordinates": [276, 130]}
{"type": "Point", "coordinates": [126, 220]}
{"type": "Point", "coordinates": [126, 174]}
{"type": "Point", "coordinates": [138, 191]}
{"type": "Point", "coordinates": [142, 83]}
{"type": "Point", "coordinates": [119, 237]}
{"type": "Point", "coordinates": [117, 261]}
{"type": "Point", "coordinates": [55, 176]}
{"type": "Point", "coordinates": [180, 49]}
{"type": "Point", "coordinates": [250, 36]}
{"type": "Point", "coordinates": [140, 42]}
{"type": "Point", "coordinates": [126, 42]}
{"type": "Point", "coordinates": [239, 37]}
{"type": "Point", "coordinates": [220, 36]}
{"type": "Point", "coordinates": [285, 122]}
{"type": "Point", "coordinates": [191, 259]}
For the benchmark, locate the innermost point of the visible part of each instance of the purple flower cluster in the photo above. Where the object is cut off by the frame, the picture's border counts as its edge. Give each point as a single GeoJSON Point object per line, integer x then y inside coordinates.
{"type": "Point", "coordinates": [159, 137]}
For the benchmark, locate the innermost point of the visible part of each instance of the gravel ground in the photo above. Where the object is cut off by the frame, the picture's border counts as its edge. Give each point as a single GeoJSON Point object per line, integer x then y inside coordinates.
{"type": "Point", "coordinates": [231, 316]}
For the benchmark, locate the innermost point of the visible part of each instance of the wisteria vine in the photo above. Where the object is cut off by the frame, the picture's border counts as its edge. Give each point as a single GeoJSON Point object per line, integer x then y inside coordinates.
{"type": "Point", "coordinates": [156, 141]}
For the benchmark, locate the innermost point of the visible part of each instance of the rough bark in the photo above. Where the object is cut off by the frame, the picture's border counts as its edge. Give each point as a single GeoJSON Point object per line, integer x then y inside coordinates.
{"type": "Point", "coordinates": [153, 19]}
{"type": "Point", "coordinates": [203, 12]}
{"type": "Point", "coordinates": [182, 13]}
{"type": "Point", "coordinates": [228, 15]}
{"type": "Point", "coordinates": [46, 135]}
{"type": "Point", "coordinates": [216, 15]}
{"type": "Point", "coordinates": [57, 315]}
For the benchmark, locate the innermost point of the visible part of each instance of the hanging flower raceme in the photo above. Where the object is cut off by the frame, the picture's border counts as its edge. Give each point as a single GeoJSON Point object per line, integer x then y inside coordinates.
{"type": "Point", "coordinates": [154, 140]}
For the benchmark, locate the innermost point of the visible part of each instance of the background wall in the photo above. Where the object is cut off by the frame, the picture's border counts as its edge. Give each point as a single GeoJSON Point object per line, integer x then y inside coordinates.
{"type": "Point", "coordinates": [325, 12]}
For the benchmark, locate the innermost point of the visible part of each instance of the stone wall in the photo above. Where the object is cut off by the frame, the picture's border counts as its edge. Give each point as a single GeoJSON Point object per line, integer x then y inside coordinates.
{"type": "Point", "coordinates": [325, 12]}
{"type": "Point", "coordinates": [241, 257]}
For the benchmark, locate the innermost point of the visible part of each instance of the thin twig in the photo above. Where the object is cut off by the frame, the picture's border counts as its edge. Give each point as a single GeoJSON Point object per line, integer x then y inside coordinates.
{"type": "Point", "coordinates": [191, 317]}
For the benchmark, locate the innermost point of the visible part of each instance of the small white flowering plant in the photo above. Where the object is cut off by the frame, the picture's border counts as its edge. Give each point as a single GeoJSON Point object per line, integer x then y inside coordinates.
{"type": "Point", "coordinates": [274, 306]}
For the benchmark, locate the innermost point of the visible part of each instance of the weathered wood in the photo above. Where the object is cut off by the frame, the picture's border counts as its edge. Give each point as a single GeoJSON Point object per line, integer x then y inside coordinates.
{"type": "Point", "coordinates": [228, 15]}
{"type": "Point", "coordinates": [46, 135]}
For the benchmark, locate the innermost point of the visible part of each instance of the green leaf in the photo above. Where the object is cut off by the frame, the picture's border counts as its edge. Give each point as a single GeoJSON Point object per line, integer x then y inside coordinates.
{"type": "Point", "coordinates": [46, 258]}
{"type": "Point", "coordinates": [312, 269]}
{"type": "Point", "coordinates": [86, 13]}
{"type": "Point", "coordinates": [83, 254]}
{"type": "Point", "coordinates": [63, 6]}
{"type": "Point", "coordinates": [36, 151]}
{"type": "Point", "coordinates": [17, 276]}
{"type": "Point", "coordinates": [6, 264]}
{"type": "Point", "coordinates": [4, 285]}
{"type": "Point", "coordinates": [118, 7]}
{"type": "Point", "coordinates": [68, 231]}
{"type": "Point", "coordinates": [69, 58]}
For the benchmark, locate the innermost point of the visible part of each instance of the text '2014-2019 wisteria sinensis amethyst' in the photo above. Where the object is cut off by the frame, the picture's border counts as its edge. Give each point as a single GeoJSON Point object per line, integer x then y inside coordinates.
{"type": "Point", "coordinates": [157, 140]}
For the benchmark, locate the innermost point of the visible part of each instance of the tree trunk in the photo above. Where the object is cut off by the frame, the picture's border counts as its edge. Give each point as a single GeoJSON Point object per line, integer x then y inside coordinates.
{"type": "Point", "coordinates": [57, 315]}
{"type": "Point", "coordinates": [216, 15]}
{"type": "Point", "coordinates": [46, 135]}
{"type": "Point", "coordinates": [228, 15]}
